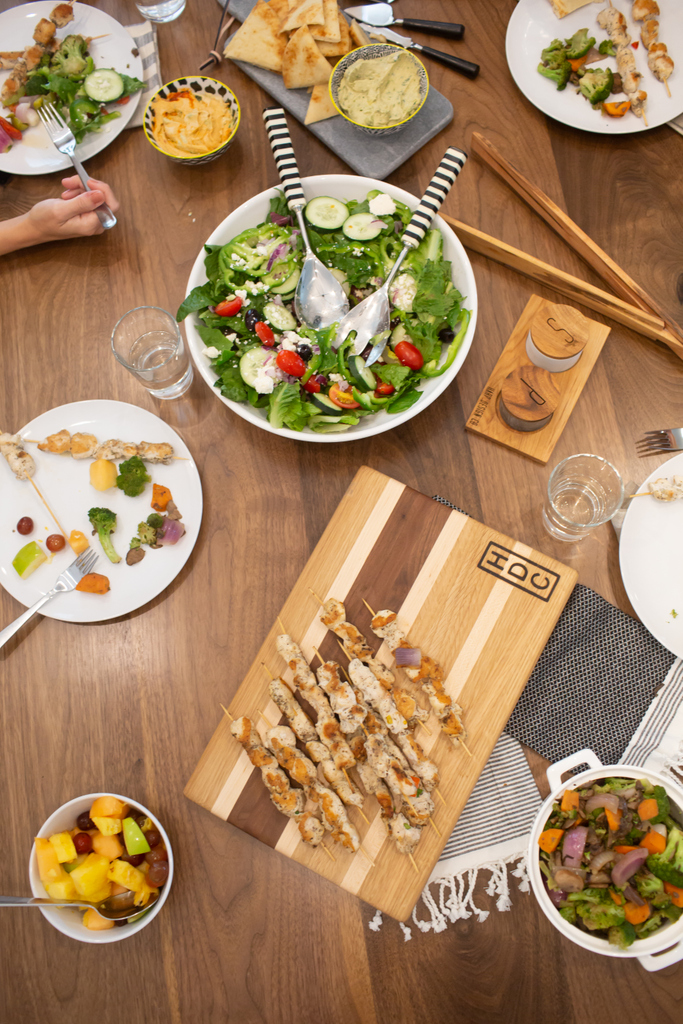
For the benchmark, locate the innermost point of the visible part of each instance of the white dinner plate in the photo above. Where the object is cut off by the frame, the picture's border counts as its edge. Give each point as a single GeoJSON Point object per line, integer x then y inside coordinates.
{"type": "Point", "coordinates": [65, 484]}
{"type": "Point", "coordinates": [533, 26]}
{"type": "Point", "coordinates": [651, 560]}
{"type": "Point", "coordinates": [35, 154]}
{"type": "Point", "coordinates": [341, 186]}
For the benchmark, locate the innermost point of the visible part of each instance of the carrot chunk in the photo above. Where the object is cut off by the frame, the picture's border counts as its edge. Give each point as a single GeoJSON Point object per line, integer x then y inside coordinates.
{"type": "Point", "coordinates": [160, 497]}
{"type": "Point", "coordinates": [654, 842]}
{"type": "Point", "coordinates": [675, 893]}
{"type": "Point", "coordinates": [648, 809]}
{"type": "Point", "coordinates": [550, 839]}
{"type": "Point", "coordinates": [570, 800]}
{"type": "Point", "coordinates": [612, 819]}
{"type": "Point", "coordinates": [635, 914]}
{"type": "Point", "coordinates": [93, 583]}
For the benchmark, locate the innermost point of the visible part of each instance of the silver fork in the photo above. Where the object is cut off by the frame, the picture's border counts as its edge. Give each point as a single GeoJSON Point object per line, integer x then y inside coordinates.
{"type": "Point", "coordinates": [66, 580]}
{"type": "Point", "coordinates": [655, 441]}
{"type": "Point", "coordinates": [64, 140]}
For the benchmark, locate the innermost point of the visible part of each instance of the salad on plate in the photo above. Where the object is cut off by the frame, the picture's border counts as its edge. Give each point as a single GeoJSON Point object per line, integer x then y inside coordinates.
{"type": "Point", "coordinates": [263, 355]}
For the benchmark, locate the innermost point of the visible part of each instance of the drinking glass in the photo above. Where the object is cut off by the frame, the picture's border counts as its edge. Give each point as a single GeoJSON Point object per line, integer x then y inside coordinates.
{"type": "Point", "coordinates": [584, 491]}
{"type": "Point", "coordinates": [148, 342]}
{"type": "Point", "coordinates": [166, 10]}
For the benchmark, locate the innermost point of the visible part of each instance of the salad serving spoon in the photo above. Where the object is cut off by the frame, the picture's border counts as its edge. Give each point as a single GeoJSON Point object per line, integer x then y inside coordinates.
{"type": "Point", "coordinates": [115, 908]}
{"type": "Point", "coordinates": [319, 300]}
{"type": "Point", "coordinates": [371, 317]}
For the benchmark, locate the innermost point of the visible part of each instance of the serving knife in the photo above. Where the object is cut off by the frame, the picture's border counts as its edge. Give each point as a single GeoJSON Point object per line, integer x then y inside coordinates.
{"type": "Point", "coordinates": [381, 15]}
{"type": "Point", "coordinates": [463, 67]}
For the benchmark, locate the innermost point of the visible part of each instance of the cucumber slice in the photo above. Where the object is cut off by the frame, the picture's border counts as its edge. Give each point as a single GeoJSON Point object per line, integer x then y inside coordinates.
{"type": "Point", "coordinates": [289, 284]}
{"type": "Point", "coordinates": [251, 362]}
{"type": "Point", "coordinates": [279, 317]}
{"type": "Point", "coordinates": [363, 226]}
{"type": "Point", "coordinates": [325, 405]}
{"type": "Point", "coordinates": [325, 213]}
{"type": "Point", "coordinates": [399, 333]}
{"type": "Point", "coordinates": [363, 377]}
{"type": "Point", "coordinates": [104, 85]}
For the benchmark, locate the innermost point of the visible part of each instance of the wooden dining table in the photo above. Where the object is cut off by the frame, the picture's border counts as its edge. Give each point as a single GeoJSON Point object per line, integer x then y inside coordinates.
{"type": "Point", "coordinates": [128, 705]}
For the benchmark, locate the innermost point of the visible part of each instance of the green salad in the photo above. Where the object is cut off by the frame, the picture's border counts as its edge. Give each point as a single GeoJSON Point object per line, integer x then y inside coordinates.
{"type": "Point", "coordinates": [263, 355]}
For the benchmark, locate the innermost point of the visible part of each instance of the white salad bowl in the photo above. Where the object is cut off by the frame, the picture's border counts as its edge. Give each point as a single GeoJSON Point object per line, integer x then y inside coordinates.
{"type": "Point", "coordinates": [670, 936]}
{"type": "Point", "coordinates": [341, 186]}
{"type": "Point", "coordinates": [70, 921]}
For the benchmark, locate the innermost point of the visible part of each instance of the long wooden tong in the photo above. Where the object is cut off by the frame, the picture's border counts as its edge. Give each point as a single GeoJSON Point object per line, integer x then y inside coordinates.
{"type": "Point", "coordinates": [636, 309]}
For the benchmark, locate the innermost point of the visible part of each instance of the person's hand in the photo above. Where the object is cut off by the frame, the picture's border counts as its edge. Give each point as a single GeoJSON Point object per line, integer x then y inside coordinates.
{"type": "Point", "coordinates": [74, 214]}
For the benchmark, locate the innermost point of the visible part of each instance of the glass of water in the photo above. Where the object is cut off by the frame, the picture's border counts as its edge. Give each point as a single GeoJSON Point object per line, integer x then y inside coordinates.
{"type": "Point", "coordinates": [148, 342]}
{"type": "Point", "coordinates": [166, 10]}
{"type": "Point", "coordinates": [584, 491]}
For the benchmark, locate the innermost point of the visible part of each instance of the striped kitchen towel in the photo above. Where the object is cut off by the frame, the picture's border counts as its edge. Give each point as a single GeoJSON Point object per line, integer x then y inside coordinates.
{"type": "Point", "coordinates": [145, 37]}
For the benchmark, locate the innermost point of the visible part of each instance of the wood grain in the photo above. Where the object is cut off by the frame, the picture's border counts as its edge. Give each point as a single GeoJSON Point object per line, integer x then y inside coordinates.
{"type": "Point", "coordinates": [248, 937]}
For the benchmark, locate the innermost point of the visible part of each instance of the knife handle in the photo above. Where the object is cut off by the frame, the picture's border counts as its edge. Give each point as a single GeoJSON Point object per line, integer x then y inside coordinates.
{"type": "Point", "coordinates": [463, 67]}
{"type": "Point", "coordinates": [433, 28]}
{"type": "Point", "coordinates": [285, 160]}
{"type": "Point", "coordinates": [442, 181]}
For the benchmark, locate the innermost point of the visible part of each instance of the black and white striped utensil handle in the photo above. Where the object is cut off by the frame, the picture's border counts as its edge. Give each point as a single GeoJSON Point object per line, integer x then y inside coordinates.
{"type": "Point", "coordinates": [285, 160]}
{"type": "Point", "coordinates": [437, 190]}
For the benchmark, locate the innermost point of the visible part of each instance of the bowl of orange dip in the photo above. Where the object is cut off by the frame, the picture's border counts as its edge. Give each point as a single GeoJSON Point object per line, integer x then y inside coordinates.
{"type": "Point", "coordinates": [192, 120]}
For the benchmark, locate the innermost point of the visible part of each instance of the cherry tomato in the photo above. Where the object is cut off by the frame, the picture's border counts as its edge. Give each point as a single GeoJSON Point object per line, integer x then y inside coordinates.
{"type": "Point", "coordinates": [265, 333]}
{"type": "Point", "coordinates": [123, 100]}
{"type": "Point", "coordinates": [344, 399]}
{"type": "Point", "coordinates": [25, 524]}
{"type": "Point", "coordinates": [384, 389]}
{"type": "Point", "coordinates": [312, 386]}
{"type": "Point", "coordinates": [290, 362]}
{"type": "Point", "coordinates": [55, 542]}
{"type": "Point", "coordinates": [408, 355]}
{"type": "Point", "coordinates": [13, 132]}
{"type": "Point", "coordinates": [228, 307]}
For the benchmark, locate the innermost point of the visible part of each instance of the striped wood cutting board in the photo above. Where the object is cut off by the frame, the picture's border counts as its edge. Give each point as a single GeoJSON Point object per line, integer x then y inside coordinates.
{"type": "Point", "coordinates": [481, 604]}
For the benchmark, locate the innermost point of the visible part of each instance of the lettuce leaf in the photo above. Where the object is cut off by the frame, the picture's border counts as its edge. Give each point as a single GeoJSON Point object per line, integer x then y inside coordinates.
{"type": "Point", "coordinates": [288, 409]}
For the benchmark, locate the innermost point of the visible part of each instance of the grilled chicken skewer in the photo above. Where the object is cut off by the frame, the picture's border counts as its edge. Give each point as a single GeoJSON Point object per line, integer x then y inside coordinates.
{"type": "Point", "coordinates": [20, 462]}
{"type": "Point", "coordinates": [658, 60]}
{"type": "Point", "coordinates": [86, 446]}
{"type": "Point", "coordinates": [43, 42]}
{"type": "Point", "coordinates": [288, 801]}
{"type": "Point", "coordinates": [375, 694]}
{"type": "Point", "coordinates": [614, 23]}
{"type": "Point", "coordinates": [349, 710]}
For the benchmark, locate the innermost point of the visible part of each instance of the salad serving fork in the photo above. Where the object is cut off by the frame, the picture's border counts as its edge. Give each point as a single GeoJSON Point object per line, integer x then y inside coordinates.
{"type": "Point", "coordinates": [67, 580]}
{"type": "Point", "coordinates": [65, 141]}
{"type": "Point", "coordinates": [654, 441]}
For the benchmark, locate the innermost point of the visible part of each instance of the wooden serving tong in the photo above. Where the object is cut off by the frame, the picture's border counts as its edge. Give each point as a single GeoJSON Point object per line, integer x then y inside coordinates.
{"type": "Point", "coordinates": [635, 308]}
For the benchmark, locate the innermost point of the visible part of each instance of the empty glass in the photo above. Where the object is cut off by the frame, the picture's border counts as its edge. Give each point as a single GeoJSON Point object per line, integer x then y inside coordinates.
{"type": "Point", "coordinates": [584, 491]}
{"type": "Point", "coordinates": [148, 342]}
{"type": "Point", "coordinates": [167, 10]}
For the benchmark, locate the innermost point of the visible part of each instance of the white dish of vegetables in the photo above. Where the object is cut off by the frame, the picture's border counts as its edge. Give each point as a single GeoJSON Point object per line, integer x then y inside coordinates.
{"type": "Point", "coordinates": [285, 378]}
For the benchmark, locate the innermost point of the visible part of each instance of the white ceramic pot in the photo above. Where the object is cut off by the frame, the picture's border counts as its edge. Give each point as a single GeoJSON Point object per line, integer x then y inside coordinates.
{"type": "Point", "coordinates": [662, 949]}
{"type": "Point", "coordinates": [70, 921]}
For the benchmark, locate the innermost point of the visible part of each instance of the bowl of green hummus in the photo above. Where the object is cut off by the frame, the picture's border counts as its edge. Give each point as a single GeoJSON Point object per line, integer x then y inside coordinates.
{"type": "Point", "coordinates": [379, 88]}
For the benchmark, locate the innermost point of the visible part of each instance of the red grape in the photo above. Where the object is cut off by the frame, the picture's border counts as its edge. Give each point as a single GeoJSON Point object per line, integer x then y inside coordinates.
{"type": "Point", "coordinates": [159, 853]}
{"type": "Point", "coordinates": [153, 837]}
{"type": "Point", "coordinates": [25, 525]}
{"type": "Point", "coordinates": [55, 542]}
{"type": "Point", "coordinates": [83, 842]}
{"type": "Point", "coordinates": [84, 821]}
{"type": "Point", "coordinates": [158, 873]}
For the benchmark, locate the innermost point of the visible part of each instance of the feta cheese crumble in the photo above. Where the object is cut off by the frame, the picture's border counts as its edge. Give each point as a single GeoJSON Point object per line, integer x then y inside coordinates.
{"type": "Point", "coordinates": [403, 291]}
{"type": "Point", "coordinates": [382, 205]}
{"type": "Point", "coordinates": [264, 383]}
{"type": "Point", "coordinates": [241, 294]}
{"type": "Point", "coordinates": [290, 340]}
{"type": "Point", "coordinates": [211, 352]}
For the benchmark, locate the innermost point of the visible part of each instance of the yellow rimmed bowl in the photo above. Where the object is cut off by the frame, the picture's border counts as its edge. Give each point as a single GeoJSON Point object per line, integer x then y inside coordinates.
{"type": "Point", "coordinates": [373, 52]}
{"type": "Point", "coordinates": [201, 85]}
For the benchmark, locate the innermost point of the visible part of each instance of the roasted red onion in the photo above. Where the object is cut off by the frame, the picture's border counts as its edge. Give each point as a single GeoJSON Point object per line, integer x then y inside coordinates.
{"type": "Point", "coordinates": [557, 896]}
{"type": "Point", "coordinates": [628, 865]}
{"type": "Point", "coordinates": [634, 896]}
{"type": "Point", "coordinates": [171, 532]}
{"type": "Point", "coordinates": [573, 846]}
{"type": "Point", "coordinates": [408, 657]}
{"type": "Point", "coordinates": [600, 859]}
{"type": "Point", "coordinates": [281, 220]}
{"type": "Point", "coordinates": [608, 800]}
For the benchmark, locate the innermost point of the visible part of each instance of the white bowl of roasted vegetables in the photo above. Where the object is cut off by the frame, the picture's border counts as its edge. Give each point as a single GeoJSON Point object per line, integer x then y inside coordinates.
{"type": "Point", "coordinates": [283, 377]}
{"type": "Point", "coordinates": [606, 860]}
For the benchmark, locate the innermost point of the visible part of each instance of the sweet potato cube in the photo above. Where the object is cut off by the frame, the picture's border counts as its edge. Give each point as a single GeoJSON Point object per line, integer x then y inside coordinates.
{"type": "Point", "coordinates": [109, 846]}
{"type": "Point", "coordinates": [107, 826]}
{"type": "Point", "coordinates": [126, 875]}
{"type": "Point", "coordinates": [64, 846]}
{"type": "Point", "coordinates": [93, 921]}
{"type": "Point", "coordinates": [91, 876]}
{"type": "Point", "coordinates": [108, 807]}
{"type": "Point", "coordinates": [62, 890]}
{"type": "Point", "coordinates": [49, 868]}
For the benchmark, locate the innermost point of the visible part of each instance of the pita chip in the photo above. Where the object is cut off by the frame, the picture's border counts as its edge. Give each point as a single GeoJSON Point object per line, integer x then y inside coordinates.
{"type": "Point", "coordinates": [359, 36]}
{"type": "Point", "coordinates": [307, 12]}
{"type": "Point", "coordinates": [320, 106]}
{"type": "Point", "coordinates": [258, 40]}
{"type": "Point", "coordinates": [330, 31]}
{"type": "Point", "coordinates": [302, 62]}
{"type": "Point", "coordinates": [343, 46]}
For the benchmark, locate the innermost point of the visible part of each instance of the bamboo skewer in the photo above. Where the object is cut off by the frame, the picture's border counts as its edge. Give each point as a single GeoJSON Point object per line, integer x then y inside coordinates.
{"type": "Point", "coordinates": [227, 713]}
{"type": "Point", "coordinates": [412, 861]}
{"type": "Point", "coordinates": [668, 90]}
{"type": "Point", "coordinates": [37, 490]}
{"type": "Point", "coordinates": [365, 853]}
{"type": "Point", "coordinates": [328, 852]}
{"type": "Point", "coordinates": [440, 796]}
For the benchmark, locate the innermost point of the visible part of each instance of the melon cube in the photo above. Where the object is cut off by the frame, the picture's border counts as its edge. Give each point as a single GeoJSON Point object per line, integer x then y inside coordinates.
{"type": "Point", "coordinates": [109, 846]}
{"type": "Point", "coordinates": [93, 921]}
{"type": "Point", "coordinates": [107, 826]}
{"type": "Point", "coordinates": [126, 875]}
{"type": "Point", "coordinates": [91, 876]}
{"type": "Point", "coordinates": [49, 868]}
{"type": "Point", "coordinates": [62, 890]}
{"type": "Point", "coordinates": [108, 807]}
{"type": "Point", "coordinates": [64, 846]}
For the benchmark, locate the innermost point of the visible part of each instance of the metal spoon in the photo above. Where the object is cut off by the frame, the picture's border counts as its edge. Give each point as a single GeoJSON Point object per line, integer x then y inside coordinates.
{"type": "Point", "coordinates": [370, 318]}
{"type": "Point", "coordinates": [319, 300]}
{"type": "Point", "coordinates": [116, 908]}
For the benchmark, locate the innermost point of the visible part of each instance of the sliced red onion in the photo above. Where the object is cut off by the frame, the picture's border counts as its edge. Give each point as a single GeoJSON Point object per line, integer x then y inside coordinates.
{"type": "Point", "coordinates": [557, 896]}
{"type": "Point", "coordinates": [573, 846]}
{"type": "Point", "coordinates": [628, 865]}
{"type": "Point", "coordinates": [320, 379]}
{"type": "Point", "coordinates": [634, 896]}
{"type": "Point", "coordinates": [280, 219]}
{"type": "Point", "coordinates": [171, 532]}
{"type": "Point", "coordinates": [278, 252]}
{"type": "Point", "coordinates": [212, 309]}
{"type": "Point", "coordinates": [277, 301]}
{"type": "Point", "coordinates": [608, 800]}
{"type": "Point", "coordinates": [408, 657]}
{"type": "Point", "coordinates": [398, 226]}
{"type": "Point", "coordinates": [295, 232]}
{"type": "Point", "coordinates": [600, 859]}
{"type": "Point", "coordinates": [5, 141]}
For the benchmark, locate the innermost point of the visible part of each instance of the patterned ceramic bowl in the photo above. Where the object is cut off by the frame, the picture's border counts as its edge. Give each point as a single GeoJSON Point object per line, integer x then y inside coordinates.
{"type": "Point", "coordinates": [200, 85]}
{"type": "Point", "coordinates": [372, 52]}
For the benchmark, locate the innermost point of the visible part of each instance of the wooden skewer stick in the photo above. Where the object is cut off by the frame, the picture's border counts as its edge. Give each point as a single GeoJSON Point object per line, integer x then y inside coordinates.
{"type": "Point", "coordinates": [319, 600]}
{"type": "Point", "coordinates": [281, 624]}
{"type": "Point", "coordinates": [425, 727]}
{"type": "Point", "coordinates": [344, 649]}
{"type": "Point", "coordinates": [412, 861]}
{"type": "Point", "coordinates": [645, 120]}
{"type": "Point", "coordinates": [363, 816]}
{"type": "Point", "coordinates": [227, 713]}
{"type": "Point", "coordinates": [267, 671]}
{"type": "Point", "coordinates": [268, 723]}
{"type": "Point", "coordinates": [467, 749]}
{"type": "Point", "coordinates": [640, 494]}
{"type": "Point", "coordinates": [433, 824]}
{"type": "Point", "coordinates": [668, 90]}
{"type": "Point", "coordinates": [369, 608]}
{"type": "Point", "coordinates": [59, 525]}
{"type": "Point", "coordinates": [322, 660]}
{"type": "Point", "coordinates": [328, 852]}
{"type": "Point", "coordinates": [367, 855]}
{"type": "Point", "coordinates": [440, 796]}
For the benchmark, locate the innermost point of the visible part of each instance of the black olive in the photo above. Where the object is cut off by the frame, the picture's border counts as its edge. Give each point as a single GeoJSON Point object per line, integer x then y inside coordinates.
{"type": "Point", "coordinates": [446, 335]}
{"type": "Point", "coordinates": [305, 351]}
{"type": "Point", "coordinates": [395, 322]}
{"type": "Point", "coordinates": [251, 318]}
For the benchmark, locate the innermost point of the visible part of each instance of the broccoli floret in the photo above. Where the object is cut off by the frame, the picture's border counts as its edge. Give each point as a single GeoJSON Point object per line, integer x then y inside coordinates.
{"type": "Point", "coordinates": [569, 914]}
{"type": "Point", "coordinates": [147, 534]}
{"type": "Point", "coordinates": [669, 865]}
{"type": "Point", "coordinates": [672, 912]}
{"type": "Point", "coordinates": [135, 543]}
{"type": "Point", "coordinates": [132, 477]}
{"type": "Point", "coordinates": [155, 521]}
{"type": "Point", "coordinates": [559, 74]}
{"type": "Point", "coordinates": [596, 85]}
{"type": "Point", "coordinates": [646, 928]}
{"type": "Point", "coordinates": [606, 48]}
{"type": "Point", "coordinates": [579, 44]}
{"type": "Point", "coordinates": [600, 916]}
{"type": "Point", "coordinates": [554, 54]}
{"type": "Point", "coordinates": [71, 57]}
{"type": "Point", "coordinates": [622, 935]}
{"type": "Point", "coordinates": [648, 886]}
{"type": "Point", "coordinates": [104, 522]}
{"type": "Point", "coordinates": [659, 794]}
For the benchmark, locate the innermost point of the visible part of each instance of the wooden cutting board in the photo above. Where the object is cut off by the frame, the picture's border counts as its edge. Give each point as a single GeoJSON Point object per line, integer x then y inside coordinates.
{"type": "Point", "coordinates": [481, 604]}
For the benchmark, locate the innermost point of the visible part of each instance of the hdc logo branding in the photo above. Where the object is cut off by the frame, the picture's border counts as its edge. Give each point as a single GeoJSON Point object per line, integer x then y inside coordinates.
{"type": "Point", "coordinates": [518, 571]}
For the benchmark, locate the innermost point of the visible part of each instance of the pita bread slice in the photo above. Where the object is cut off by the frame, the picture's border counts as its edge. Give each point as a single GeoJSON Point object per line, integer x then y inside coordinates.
{"type": "Point", "coordinates": [307, 12]}
{"type": "Point", "coordinates": [343, 46]}
{"type": "Point", "coordinates": [302, 62]}
{"type": "Point", "coordinates": [281, 8]}
{"type": "Point", "coordinates": [320, 106]}
{"type": "Point", "coordinates": [258, 40]}
{"type": "Point", "coordinates": [359, 36]}
{"type": "Point", "coordinates": [330, 31]}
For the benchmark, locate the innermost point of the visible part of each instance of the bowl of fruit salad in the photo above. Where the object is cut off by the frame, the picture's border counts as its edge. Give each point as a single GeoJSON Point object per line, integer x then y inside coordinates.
{"type": "Point", "coordinates": [94, 847]}
{"type": "Point", "coordinates": [606, 860]}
